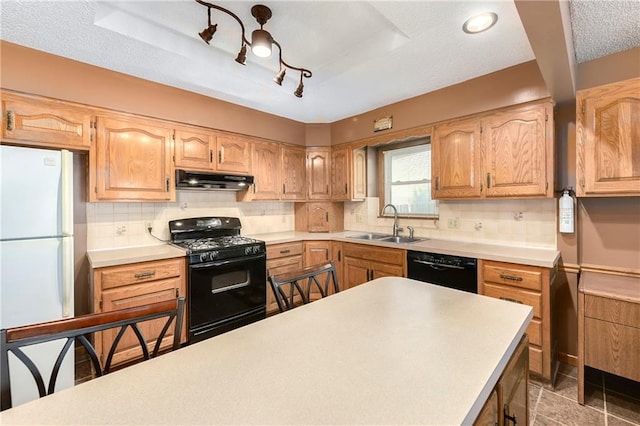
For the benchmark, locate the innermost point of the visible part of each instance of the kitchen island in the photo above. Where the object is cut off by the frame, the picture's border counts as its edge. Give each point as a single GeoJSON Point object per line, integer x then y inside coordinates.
{"type": "Point", "coordinates": [391, 351]}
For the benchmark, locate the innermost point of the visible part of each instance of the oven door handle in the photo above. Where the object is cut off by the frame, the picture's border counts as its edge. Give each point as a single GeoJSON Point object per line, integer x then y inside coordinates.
{"type": "Point", "coordinates": [436, 266]}
{"type": "Point", "coordinates": [226, 262]}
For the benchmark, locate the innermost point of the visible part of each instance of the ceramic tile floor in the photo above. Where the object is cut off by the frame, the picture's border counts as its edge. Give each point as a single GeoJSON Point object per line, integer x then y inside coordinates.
{"type": "Point", "coordinates": [609, 400]}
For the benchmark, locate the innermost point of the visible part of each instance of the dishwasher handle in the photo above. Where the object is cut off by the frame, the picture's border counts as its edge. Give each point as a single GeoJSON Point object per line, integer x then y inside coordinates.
{"type": "Point", "coordinates": [436, 266]}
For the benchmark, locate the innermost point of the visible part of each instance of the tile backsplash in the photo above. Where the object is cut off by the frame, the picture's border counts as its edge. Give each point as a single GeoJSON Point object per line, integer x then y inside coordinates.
{"type": "Point", "coordinates": [115, 225]}
{"type": "Point", "coordinates": [530, 223]}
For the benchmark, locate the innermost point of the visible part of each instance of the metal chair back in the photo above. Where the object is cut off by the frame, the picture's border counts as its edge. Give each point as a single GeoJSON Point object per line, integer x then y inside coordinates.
{"type": "Point", "coordinates": [77, 329]}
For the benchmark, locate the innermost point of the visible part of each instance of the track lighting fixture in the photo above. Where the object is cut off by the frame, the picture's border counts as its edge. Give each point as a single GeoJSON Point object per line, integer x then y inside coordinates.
{"type": "Point", "coordinates": [261, 41]}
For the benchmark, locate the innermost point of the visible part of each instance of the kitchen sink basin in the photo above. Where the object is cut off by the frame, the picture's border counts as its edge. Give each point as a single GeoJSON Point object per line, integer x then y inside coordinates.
{"type": "Point", "coordinates": [393, 239]}
{"type": "Point", "coordinates": [369, 236]}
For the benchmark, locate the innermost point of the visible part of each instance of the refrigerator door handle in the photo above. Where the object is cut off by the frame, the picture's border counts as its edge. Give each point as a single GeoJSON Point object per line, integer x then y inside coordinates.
{"type": "Point", "coordinates": [66, 196]}
{"type": "Point", "coordinates": [67, 276]}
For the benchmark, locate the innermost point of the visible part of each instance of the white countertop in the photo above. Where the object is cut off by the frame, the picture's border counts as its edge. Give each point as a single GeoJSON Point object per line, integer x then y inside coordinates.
{"type": "Point", "coordinates": [122, 256]}
{"type": "Point", "coordinates": [392, 351]}
{"type": "Point", "coordinates": [546, 258]}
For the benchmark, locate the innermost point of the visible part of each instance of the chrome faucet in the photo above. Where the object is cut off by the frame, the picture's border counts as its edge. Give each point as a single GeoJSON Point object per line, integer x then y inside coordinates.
{"type": "Point", "coordinates": [396, 229]}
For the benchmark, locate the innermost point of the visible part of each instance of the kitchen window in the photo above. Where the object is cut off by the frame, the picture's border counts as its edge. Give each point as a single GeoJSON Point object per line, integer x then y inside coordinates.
{"type": "Point", "coordinates": [406, 178]}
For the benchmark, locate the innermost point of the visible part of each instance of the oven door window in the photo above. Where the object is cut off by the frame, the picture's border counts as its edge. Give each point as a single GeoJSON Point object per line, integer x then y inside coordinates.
{"type": "Point", "coordinates": [222, 290]}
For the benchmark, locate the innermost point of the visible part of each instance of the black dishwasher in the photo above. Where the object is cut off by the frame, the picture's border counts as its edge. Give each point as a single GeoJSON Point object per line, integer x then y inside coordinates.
{"type": "Point", "coordinates": [460, 273]}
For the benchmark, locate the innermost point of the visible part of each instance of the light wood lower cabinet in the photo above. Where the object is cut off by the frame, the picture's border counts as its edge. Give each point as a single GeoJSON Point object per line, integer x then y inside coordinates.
{"type": "Point", "coordinates": [608, 325]}
{"type": "Point", "coordinates": [137, 284]}
{"type": "Point", "coordinates": [281, 258]}
{"type": "Point", "coordinates": [533, 286]}
{"type": "Point", "coordinates": [508, 403]}
{"type": "Point", "coordinates": [364, 263]}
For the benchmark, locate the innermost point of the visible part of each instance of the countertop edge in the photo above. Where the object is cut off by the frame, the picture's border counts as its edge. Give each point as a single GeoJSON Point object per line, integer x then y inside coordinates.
{"type": "Point", "coordinates": [541, 257]}
{"type": "Point", "coordinates": [128, 255]}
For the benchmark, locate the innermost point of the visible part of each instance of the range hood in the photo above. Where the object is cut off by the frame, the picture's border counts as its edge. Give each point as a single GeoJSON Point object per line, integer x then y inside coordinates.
{"type": "Point", "coordinates": [212, 181]}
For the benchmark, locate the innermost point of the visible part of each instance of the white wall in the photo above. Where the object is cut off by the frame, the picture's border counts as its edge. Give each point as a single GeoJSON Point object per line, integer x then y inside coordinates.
{"type": "Point", "coordinates": [105, 221]}
{"type": "Point", "coordinates": [530, 223]}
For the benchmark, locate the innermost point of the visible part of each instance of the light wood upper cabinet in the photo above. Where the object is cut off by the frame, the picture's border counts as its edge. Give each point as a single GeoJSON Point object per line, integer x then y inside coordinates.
{"type": "Point", "coordinates": [265, 160]}
{"type": "Point", "coordinates": [43, 122]}
{"type": "Point", "coordinates": [319, 216]}
{"type": "Point", "coordinates": [608, 140]}
{"type": "Point", "coordinates": [517, 158]}
{"type": "Point", "coordinates": [294, 177]}
{"type": "Point", "coordinates": [132, 160]}
{"type": "Point", "coordinates": [201, 149]}
{"type": "Point", "coordinates": [194, 150]}
{"type": "Point", "coordinates": [504, 154]}
{"type": "Point", "coordinates": [233, 154]}
{"type": "Point", "coordinates": [348, 174]}
{"type": "Point", "coordinates": [319, 174]}
{"type": "Point", "coordinates": [455, 160]}
{"type": "Point", "coordinates": [340, 173]}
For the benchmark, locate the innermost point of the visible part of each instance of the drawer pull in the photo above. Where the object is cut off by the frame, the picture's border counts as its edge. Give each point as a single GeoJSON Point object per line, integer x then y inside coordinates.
{"type": "Point", "coordinates": [285, 251]}
{"type": "Point", "coordinates": [147, 274]}
{"type": "Point", "coordinates": [510, 300]}
{"type": "Point", "coordinates": [510, 277]}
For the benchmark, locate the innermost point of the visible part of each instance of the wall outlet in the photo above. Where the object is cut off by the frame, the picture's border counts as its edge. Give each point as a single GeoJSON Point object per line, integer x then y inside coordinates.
{"type": "Point", "coordinates": [121, 230]}
{"type": "Point", "coordinates": [148, 225]}
{"type": "Point", "coordinates": [358, 218]}
{"type": "Point", "coordinates": [453, 223]}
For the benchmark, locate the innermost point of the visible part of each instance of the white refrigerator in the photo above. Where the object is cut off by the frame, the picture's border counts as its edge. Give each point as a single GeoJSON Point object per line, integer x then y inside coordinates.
{"type": "Point", "coordinates": [36, 254]}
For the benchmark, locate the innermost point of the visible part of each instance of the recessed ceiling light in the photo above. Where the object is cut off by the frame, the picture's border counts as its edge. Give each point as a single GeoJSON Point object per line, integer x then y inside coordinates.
{"type": "Point", "coordinates": [479, 23]}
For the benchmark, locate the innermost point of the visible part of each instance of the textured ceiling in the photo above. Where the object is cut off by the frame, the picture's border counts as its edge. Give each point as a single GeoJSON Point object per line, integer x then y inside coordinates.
{"type": "Point", "coordinates": [363, 55]}
{"type": "Point", "coordinates": [601, 28]}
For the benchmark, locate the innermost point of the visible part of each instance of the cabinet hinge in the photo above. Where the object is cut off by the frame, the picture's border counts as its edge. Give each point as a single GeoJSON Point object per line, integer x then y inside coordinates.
{"type": "Point", "coordinates": [100, 305]}
{"type": "Point", "coordinates": [546, 186]}
{"type": "Point", "coordinates": [481, 129]}
{"type": "Point", "coordinates": [95, 189]}
{"type": "Point", "coordinates": [174, 159]}
{"type": "Point", "coordinates": [177, 292]}
{"type": "Point", "coordinates": [546, 117]}
{"type": "Point", "coordinates": [583, 108]}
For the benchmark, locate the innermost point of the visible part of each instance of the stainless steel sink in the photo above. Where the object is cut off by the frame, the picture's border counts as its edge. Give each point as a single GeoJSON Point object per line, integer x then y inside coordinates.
{"type": "Point", "coordinates": [369, 236]}
{"type": "Point", "coordinates": [393, 239]}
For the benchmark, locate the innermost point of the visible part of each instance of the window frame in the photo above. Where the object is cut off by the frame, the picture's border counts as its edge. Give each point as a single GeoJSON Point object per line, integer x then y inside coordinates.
{"type": "Point", "coordinates": [381, 174]}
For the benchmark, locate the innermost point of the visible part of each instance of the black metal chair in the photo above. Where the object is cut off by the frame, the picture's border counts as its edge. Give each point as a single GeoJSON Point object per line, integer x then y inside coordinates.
{"type": "Point", "coordinates": [77, 329]}
{"type": "Point", "coordinates": [295, 288]}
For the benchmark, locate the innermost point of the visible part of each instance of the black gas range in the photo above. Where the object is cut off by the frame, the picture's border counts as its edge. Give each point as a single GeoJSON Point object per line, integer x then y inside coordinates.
{"type": "Point", "coordinates": [226, 282]}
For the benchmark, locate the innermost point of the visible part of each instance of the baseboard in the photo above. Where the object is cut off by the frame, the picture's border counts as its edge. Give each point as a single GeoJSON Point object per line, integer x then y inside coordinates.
{"type": "Point", "coordinates": [568, 359]}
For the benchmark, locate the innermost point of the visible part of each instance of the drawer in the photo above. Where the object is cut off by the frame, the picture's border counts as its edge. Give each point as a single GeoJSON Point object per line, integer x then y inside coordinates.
{"type": "Point", "coordinates": [510, 294]}
{"type": "Point", "coordinates": [282, 250]}
{"type": "Point", "coordinates": [612, 347]}
{"type": "Point", "coordinates": [535, 360]}
{"type": "Point", "coordinates": [612, 310]}
{"type": "Point", "coordinates": [514, 275]}
{"type": "Point", "coordinates": [377, 254]}
{"type": "Point", "coordinates": [534, 330]}
{"type": "Point", "coordinates": [135, 273]}
{"type": "Point", "coordinates": [284, 264]}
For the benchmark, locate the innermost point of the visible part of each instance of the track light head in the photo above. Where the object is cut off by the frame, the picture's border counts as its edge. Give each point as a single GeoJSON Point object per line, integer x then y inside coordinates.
{"type": "Point", "coordinates": [261, 43]}
{"type": "Point", "coordinates": [207, 33]}
{"type": "Point", "coordinates": [298, 92]}
{"type": "Point", "coordinates": [242, 55]}
{"type": "Point", "coordinates": [278, 79]}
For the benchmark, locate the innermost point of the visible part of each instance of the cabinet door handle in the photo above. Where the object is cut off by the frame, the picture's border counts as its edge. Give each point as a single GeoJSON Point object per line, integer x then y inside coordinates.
{"type": "Point", "coordinates": [167, 182]}
{"type": "Point", "coordinates": [219, 156]}
{"type": "Point", "coordinates": [437, 182]}
{"type": "Point", "coordinates": [339, 255]}
{"type": "Point", "coordinates": [510, 300]}
{"type": "Point", "coordinates": [211, 156]}
{"type": "Point", "coordinates": [508, 418]}
{"type": "Point", "coordinates": [11, 120]}
{"type": "Point", "coordinates": [146, 274]}
{"type": "Point", "coordinates": [327, 216]}
{"type": "Point", "coordinates": [285, 251]}
{"type": "Point", "coordinates": [510, 277]}
{"type": "Point", "coordinates": [488, 180]}
{"type": "Point", "coordinates": [284, 188]}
